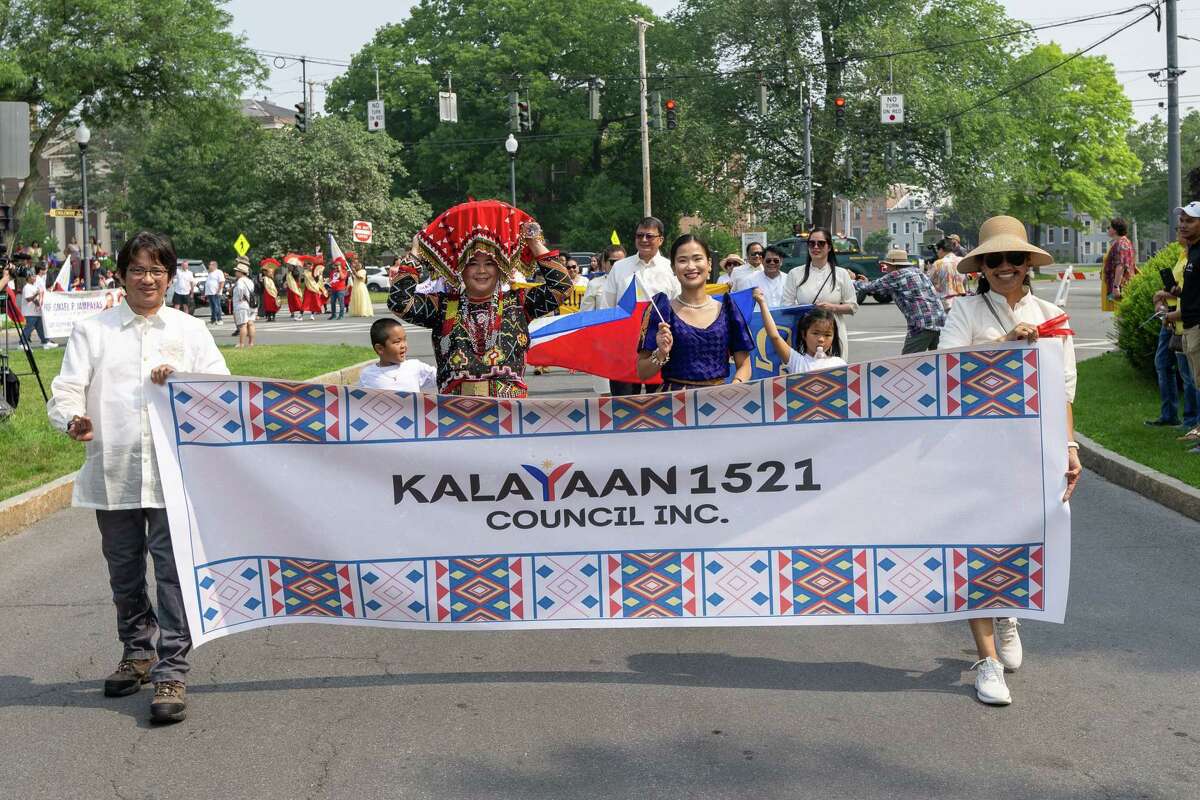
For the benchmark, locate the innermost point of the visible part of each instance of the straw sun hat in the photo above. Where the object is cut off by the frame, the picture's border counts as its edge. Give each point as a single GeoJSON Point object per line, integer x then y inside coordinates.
{"type": "Point", "coordinates": [897, 258]}
{"type": "Point", "coordinates": [1003, 235]}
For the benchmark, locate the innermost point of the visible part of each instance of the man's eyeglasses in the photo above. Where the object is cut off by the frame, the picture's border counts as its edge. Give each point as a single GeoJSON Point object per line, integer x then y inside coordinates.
{"type": "Point", "coordinates": [137, 273]}
{"type": "Point", "coordinates": [754, 254]}
{"type": "Point", "coordinates": [772, 261]}
{"type": "Point", "coordinates": [1015, 259]}
{"type": "Point", "coordinates": [647, 236]}
{"type": "Point", "coordinates": [814, 243]}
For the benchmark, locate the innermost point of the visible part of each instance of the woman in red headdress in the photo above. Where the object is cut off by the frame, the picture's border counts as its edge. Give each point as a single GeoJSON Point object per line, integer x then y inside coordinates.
{"type": "Point", "coordinates": [294, 284]}
{"type": "Point", "coordinates": [314, 288]}
{"type": "Point", "coordinates": [480, 331]}
{"type": "Point", "coordinates": [270, 292]}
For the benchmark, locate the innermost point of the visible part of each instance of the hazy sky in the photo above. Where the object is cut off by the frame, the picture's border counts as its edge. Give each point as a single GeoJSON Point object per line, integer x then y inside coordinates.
{"type": "Point", "coordinates": [309, 27]}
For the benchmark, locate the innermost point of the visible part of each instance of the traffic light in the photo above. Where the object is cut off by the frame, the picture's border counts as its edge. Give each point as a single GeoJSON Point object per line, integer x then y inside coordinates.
{"type": "Point", "coordinates": [656, 114]}
{"type": "Point", "coordinates": [524, 117]}
{"type": "Point", "coordinates": [864, 161]}
{"type": "Point", "coordinates": [301, 117]}
{"type": "Point", "coordinates": [839, 112]}
{"type": "Point", "coordinates": [672, 114]}
{"type": "Point", "coordinates": [594, 87]}
{"type": "Point", "coordinates": [889, 160]}
{"type": "Point", "coordinates": [514, 112]}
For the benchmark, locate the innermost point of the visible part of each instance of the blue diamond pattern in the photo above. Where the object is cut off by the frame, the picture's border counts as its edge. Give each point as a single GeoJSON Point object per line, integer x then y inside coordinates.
{"type": "Point", "coordinates": [415, 575]}
{"type": "Point", "coordinates": [545, 571]}
{"type": "Point", "coordinates": [759, 598]}
{"type": "Point", "coordinates": [879, 371]}
{"type": "Point", "coordinates": [208, 615]}
{"type": "Point", "coordinates": [359, 424]}
{"type": "Point", "coordinates": [934, 596]}
{"type": "Point", "coordinates": [589, 570]}
{"type": "Point", "coordinates": [531, 417]}
{"type": "Point", "coordinates": [545, 603]}
{"type": "Point", "coordinates": [358, 394]}
{"type": "Point", "coordinates": [405, 423]}
{"type": "Point", "coordinates": [707, 409]}
{"type": "Point", "coordinates": [576, 415]}
{"type": "Point", "coordinates": [927, 400]}
{"type": "Point", "coordinates": [932, 563]}
{"type": "Point", "coordinates": [207, 582]}
{"type": "Point", "coordinates": [231, 426]}
{"type": "Point", "coordinates": [229, 396]}
{"type": "Point", "coordinates": [253, 603]}
{"type": "Point", "coordinates": [183, 397]}
{"type": "Point", "coordinates": [590, 601]}
{"type": "Point", "coordinates": [187, 427]}
{"type": "Point", "coordinates": [926, 368]}
{"type": "Point", "coordinates": [886, 563]}
{"type": "Point", "coordinates": [880, 401]}
{"type": "Point", "coordinates": [888, 596]}
{"type": "Point", "coordinates": [759, 565]}
{"type": "Point", "coordinates": [249, 572]}
{"type": "Point", "coordinates": [753, 407]}
{"type": "Point", "coordinates": [370, 578]}
{"type": "Point", "coordinates": [416, 607]}
{"type": "Point", "coordinates": [714, 567]}
{"type": "Point", "coordinates": [715, 599]}
{"type": "Point", "coordinates": [373, 605]}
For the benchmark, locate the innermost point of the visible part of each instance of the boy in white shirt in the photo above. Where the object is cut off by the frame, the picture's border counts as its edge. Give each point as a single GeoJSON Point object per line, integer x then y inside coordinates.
{"type": "Point", "coordinates": [394, 371]}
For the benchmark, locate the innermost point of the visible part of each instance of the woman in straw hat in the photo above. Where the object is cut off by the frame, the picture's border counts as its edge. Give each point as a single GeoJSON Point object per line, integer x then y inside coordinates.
{"type": "Point", "coordinates": [1005, 309]}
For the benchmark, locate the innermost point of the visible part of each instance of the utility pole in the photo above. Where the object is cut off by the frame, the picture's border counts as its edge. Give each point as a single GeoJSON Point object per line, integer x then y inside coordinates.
{"type": "Point", "coordinates": [808, 175]}
{"type": "Point", "coordinates": [1174, 179]}
{"type": "Point", "coordinates": [642, 25]}
{"type": "Point", "coordinates": [377, 82]}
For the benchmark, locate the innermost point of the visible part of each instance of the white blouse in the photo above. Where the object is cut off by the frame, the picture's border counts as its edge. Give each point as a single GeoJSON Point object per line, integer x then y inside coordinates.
{"type": "Point", "coordinates": [971, 323]}
{"type": "Point", "coordinates": [105, 376]}
{"type": "Point", "coordinates": [824, 285]}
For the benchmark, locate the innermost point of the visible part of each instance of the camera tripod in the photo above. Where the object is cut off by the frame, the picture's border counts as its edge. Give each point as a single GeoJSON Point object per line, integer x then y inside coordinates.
{"type": "Point", "coordinates": [12, 397]}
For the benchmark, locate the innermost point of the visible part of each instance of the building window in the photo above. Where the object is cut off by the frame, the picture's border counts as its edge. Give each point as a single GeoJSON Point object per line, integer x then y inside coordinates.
{"type": "Point", "coordinates": [920, 227]}
{"type": "Point", "coordinates": [857, 214]}
{"type": "Point", "coordinates": [1066, 235]}
{"type": "Point", "coordinates": [908, 227]}
{"type": "Point", "coordinates": [1087, 248]}
{"type": "Point", "coordinates": [1049, 235]}
{"type": "Point", "coordinates": [893, 229]}
{"type": "Point", "coordinates": [1087, 224]}
{"type": "Point", "coordinates": [858, 234]}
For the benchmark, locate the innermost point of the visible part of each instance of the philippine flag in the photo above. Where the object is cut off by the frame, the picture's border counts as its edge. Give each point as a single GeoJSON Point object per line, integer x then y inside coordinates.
{"type": "Point", "coordinates": [63, 282]}
{"type": "Point", "coordinates": [335, 252]}
{"type": "Point", "coordinates": [601, 342]}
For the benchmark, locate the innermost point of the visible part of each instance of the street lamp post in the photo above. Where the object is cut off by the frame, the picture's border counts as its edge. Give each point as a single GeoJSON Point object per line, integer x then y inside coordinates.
{"type": "Point", "coordinates": [82, 137]}
{"type": "Point", "coordinates": [511, 145]}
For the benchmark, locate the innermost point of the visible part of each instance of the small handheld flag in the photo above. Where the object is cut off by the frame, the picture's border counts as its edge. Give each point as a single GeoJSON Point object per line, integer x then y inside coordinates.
{"type": "Point", "coordinates": [614, 238]}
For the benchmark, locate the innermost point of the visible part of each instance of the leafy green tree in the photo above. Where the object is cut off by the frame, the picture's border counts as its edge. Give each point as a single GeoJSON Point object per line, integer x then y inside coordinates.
{"type": "Point", "coordinates": [581, 178]}
{"type": "Point", "coordinates": [33, 227]}
{"type": "Point", "coordinates": [1076, 153]}
{"type": "Point", "coordinates": [111, 59]}
{"type": "Point", "coordinates": [306, 185]}
{"type": "Point", "coordinates": [877, 243]}
{"type": "Point", "coordinates": [1147, 201]}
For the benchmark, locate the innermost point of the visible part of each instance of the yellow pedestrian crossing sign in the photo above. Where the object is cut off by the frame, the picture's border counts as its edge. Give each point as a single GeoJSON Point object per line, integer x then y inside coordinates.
{"type": "Point", "coordinates": [242, 245]}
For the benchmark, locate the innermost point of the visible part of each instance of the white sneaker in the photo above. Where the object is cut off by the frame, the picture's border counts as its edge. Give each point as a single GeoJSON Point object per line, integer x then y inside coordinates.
{"type": "Point", "coordinates": [49, 345]}
{"type": "Point", "coordinates": [1008, 643]}
{"type": "Point", "coordinates": [990, 687]}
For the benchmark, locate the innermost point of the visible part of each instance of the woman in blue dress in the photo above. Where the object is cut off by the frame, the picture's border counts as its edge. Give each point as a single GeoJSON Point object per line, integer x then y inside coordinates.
{"type": "Point", "coordinates": [690, 339]}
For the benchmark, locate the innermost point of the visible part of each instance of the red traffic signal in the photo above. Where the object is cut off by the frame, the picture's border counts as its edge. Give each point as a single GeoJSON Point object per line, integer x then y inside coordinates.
{"type": "Point", "coordinates": [672, 110]}
{"type": "Point", "coordinates": [839, 111]}
{"type": "Point", "coordinates": [839, 101]}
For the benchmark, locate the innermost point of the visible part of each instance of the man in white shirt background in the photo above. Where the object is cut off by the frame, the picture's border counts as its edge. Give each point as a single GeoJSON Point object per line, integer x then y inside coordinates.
{"type": "Point", "coordinates": [182, 286]}
{"type": "Point", "coordinates": [214, 290]}
{"type": "Point", "coordinates": [770, 278]}
{"type": "Point", "coordinates": [653, 273]}
{"type": "Point", "coordinates": [599, 277]}
{"type": "Point", "coordinates": [100, 398]}
{"type": "Point", "coordinates": [753, 265]}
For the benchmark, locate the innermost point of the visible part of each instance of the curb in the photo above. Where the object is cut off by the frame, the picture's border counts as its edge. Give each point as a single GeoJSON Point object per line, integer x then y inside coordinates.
{"type": "Point", "coordinates": [18, 513]}
{"type": "Point", "coordinates": [1151, 484]}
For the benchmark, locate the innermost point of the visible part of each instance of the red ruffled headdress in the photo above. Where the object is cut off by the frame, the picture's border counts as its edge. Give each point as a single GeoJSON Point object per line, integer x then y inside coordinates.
{"type": "Point", "coordinates": [269, 262]}
{"type": "Point", "coordinates": [450, 241]}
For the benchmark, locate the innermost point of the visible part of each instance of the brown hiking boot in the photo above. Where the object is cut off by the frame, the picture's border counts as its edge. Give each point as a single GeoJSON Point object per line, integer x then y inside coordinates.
{"type": "Point", "coordinates": [169, 703]}
{"type": "Point", "coordinates": [128, 677]}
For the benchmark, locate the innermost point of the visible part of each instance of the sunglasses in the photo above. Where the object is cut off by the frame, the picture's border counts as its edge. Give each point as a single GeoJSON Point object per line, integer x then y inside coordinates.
{"type": "Point", "coordinates": [817, 243]}
{"type": "Point", "coordinates": [1015, 259]}
{"type": "Point", "coordinates": [755, 254]}
{"type": "Point", "coordinates": [775, 260]}
{"type": "Point", "coordinates": [647, 236]}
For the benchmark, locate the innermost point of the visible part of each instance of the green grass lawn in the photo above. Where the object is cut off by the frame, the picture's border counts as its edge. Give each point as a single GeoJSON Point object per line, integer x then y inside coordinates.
{"type": "Point", "coordinates": [1112, 404]}
{"type": "Point", "coordinates": [379, 297]}
{"type": "Point", "coordinates": [33, 453]}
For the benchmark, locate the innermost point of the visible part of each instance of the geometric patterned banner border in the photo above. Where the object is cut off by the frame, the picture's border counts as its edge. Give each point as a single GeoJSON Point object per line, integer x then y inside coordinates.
{"type": "Point", "coordinates": [728, 583]}
{"type": "Point", "coordinates": [970, 384]}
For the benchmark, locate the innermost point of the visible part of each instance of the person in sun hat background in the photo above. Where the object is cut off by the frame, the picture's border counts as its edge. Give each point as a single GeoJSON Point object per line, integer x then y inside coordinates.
{"type": "Point", "coordinates": [1005, 309]}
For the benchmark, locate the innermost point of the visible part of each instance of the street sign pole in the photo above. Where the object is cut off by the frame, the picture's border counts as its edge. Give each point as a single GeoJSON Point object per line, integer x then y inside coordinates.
{"type": "Point", "coordinates": [1174, 178]}
{"type": "Point", "coordinates": [641, 28]}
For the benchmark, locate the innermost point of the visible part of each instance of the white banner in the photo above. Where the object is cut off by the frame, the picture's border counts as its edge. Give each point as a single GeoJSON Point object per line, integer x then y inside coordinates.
{"type": "Point", "coordinates": [61, 310]}
{"type": "Point", "coordinates": [917, 489]}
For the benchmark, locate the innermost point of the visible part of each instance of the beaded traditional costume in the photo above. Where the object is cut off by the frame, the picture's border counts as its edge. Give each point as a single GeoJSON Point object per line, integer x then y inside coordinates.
{"type": "Point", "coordinates": [479, 345]}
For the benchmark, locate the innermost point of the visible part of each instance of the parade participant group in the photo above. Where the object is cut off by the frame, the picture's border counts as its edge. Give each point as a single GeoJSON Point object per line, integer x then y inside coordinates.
{"type": "Point", "coordinates": [476, 277]}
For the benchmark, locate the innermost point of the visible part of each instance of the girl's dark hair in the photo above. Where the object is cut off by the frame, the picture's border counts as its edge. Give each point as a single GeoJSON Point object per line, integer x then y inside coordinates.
{"type": "Point", "coordinates": [776, 250]}
{"type": "Point", "coordinates": [688, 238]}
{"type": "Point", "coordinates": [1119, 225]}
{"type": "Point", "coordinates": [157, 245]}
{"type": "Point", "coordinates": [808, 255]}
{"type": "Point", "coordinates": [820, 315]}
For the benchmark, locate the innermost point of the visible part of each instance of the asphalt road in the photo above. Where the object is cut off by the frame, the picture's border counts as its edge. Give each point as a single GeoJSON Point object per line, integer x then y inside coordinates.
{"type": "Point", "coordinates": [1105, 706]}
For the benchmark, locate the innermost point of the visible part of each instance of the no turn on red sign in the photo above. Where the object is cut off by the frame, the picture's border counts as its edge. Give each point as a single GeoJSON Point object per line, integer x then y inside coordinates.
{"type": "Point", "coordinates": [363, 233]}
{"type": "Point", "coordinates": [891, 109]}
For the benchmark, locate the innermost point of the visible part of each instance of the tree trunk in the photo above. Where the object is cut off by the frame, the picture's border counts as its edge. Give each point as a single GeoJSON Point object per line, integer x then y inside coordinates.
{"type": "Point", "coordinates": [35, 156]}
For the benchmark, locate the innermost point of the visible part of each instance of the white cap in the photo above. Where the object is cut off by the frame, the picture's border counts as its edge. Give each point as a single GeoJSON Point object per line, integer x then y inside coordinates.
{"type": "Point", "coordinates": [1192, 209]}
